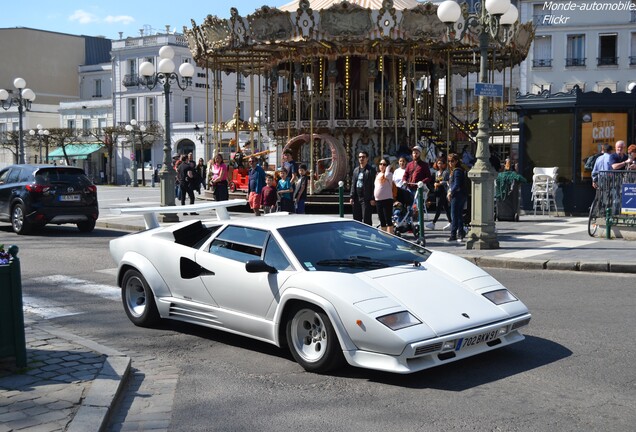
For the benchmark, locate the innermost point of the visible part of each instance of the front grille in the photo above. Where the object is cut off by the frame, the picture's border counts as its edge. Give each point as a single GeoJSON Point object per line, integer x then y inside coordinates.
{"type": "Point", "coordinates": [427, 349]}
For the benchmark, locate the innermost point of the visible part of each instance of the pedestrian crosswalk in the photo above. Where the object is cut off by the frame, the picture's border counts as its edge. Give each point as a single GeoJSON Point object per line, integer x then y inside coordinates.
{"type": "Point", "coordinates": [551, 240]}
{"type": "Point", "coordinates": [50, 308]}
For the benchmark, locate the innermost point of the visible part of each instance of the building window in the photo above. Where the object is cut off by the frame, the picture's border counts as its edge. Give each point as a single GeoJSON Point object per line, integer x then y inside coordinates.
{"type": "Point", "coordinates": [3, 128]}
{"type": "Point", "coordinates": [542, 54]}
{"type": "Point", "coordinates": [607, 50]}
{"type": "Point", "coordinates": [132, 66]}
{"type": "Point", "coordinates": [540, 16]}
{"type": "Point", "coordinates": [150, 109]}
{"type": "Point", "coordinates": [132, 109]}
{"type": "Point", "coordinates": [70, 124]}
{"type": "Point", "coordinates": [217, 79]}
{"type": "Point", "coordinates": [575, 50]}
{"type": "Point", "coordinates": [187, 110]}
{"type": "Point", "coordinates": [97, 93]}
{"type": "Point", "coordinates": [632, 56]}
{"type": "Point", "coordinates": [86, 127]}
{"type": "Point", "coordinates": [101, 124]}
{"type": "Point", "coordinates": [240, 81]}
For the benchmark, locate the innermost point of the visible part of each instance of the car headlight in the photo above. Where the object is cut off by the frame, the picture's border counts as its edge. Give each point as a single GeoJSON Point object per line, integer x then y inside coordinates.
{"type": "Point", "coordinates": [501, 296]}
{"type": "Point", "coordinates": [399, 320]}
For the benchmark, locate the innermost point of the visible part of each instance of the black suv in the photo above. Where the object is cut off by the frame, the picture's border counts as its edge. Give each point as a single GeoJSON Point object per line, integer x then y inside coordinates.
{"type": "Point", "coordinates": [32, 196]}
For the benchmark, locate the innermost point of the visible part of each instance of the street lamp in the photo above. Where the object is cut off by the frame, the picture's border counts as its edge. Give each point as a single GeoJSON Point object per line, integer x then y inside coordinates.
{"type": "Point", "coordinates": [41, 134]}
{"type": "Point", "coordinates": [166, 76]}
{"type": "Point", "coordinates": [131, 129]}
{"type": "Point", "coordinates": [493, 21]}
{"type": "Point", "coordinates": [23, 100]}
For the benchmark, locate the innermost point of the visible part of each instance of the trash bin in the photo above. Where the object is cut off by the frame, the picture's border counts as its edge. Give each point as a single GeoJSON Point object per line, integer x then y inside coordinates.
{"type": "Point", "coordinates": [507, 196]}
{"type": "Point", "coordinates": [12, 340]}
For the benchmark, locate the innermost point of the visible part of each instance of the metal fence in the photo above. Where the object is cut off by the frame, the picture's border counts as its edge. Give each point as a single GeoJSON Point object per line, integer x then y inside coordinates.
{"type": "Point", "coordinates": [610, 189]}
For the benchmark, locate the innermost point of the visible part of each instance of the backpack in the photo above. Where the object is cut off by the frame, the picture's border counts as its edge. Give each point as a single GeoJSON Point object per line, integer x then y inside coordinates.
{"type": "Point", "coordinates": [591, 160]}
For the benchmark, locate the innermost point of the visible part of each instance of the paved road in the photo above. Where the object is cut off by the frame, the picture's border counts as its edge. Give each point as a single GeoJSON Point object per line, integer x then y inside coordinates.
{"type": "Point", "coordinates": [572, 373]}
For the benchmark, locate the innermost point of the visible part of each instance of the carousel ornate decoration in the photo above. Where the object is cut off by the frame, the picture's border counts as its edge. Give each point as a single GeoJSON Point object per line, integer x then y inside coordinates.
{"type": "Point", "coordinates": [344, 76]}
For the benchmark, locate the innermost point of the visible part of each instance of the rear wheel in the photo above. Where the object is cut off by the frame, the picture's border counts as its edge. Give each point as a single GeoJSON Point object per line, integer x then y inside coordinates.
{"type": "Point", "coordinates": [138, 299]}
{"type": "Point", "coordinates": [18, 220]}
{"type": "Point", "coordinates": [232, 186]}
{"type": "Point", "coordinates": [86, 226]}
{"type": "Point", "coordinates": [312, 340]}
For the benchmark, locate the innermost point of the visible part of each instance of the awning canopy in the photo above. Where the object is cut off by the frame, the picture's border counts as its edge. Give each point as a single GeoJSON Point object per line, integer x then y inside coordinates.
{"type": "Point", "coordinates": [75, 151]}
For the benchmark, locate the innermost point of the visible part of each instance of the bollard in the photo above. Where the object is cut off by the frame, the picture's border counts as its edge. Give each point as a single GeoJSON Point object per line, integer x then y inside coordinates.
{"type": "Point", "coordinates": [341, 198]}
{"type": "Point", "coordinates": [608, 223]}
{"type": "Point", "coordinates": [12, 339]}
{"type": "Point", "coordinates": [420, 212]}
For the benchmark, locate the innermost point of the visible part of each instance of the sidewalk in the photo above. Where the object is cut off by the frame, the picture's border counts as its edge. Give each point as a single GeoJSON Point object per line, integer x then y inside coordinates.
{"type": "Point", "coordinates": [71, 383]}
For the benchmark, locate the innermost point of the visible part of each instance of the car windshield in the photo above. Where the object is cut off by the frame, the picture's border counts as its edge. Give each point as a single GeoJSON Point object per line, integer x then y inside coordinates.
{"type": "Point", "coordinates": [61, 175]}
{"type": "Point", "coordinates": [349, 247]}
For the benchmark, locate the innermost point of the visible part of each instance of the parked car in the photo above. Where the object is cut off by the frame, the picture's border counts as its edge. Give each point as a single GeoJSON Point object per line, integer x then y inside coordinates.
{"type": "Point", "coordinates": [332, 290]}
{"type": "Point", "coordinates": [32, 196]}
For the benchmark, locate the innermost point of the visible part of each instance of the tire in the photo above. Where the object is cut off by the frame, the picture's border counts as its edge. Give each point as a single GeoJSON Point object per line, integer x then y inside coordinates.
{"type": "Point", "coordinates": [86, 226]}
{"type": "Point", "coordinates": [138, 299]}
{"type": "Point", "coordinates": [232, 187]}
{"type": "Point", "coordinates": [18, 220]}
{"type": "Point", "coordinates": [592, 225]}
{"type": "Point", "coordinates": [312, 340]}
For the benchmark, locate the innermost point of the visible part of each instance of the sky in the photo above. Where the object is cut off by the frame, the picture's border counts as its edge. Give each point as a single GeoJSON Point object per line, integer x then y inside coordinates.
{"type": "Point", "coordinates": [108, 18]}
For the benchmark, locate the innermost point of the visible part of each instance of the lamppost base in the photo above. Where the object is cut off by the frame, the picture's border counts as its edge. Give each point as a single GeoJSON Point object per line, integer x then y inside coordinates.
{"type": "Point", "coordinates": [481, 240]}
{"type": "Point", "coordinates": [167, 184]}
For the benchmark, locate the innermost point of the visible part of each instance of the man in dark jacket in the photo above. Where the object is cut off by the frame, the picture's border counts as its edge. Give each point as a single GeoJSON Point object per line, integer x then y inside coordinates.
{"type": "Point", "coordinates": [362, 185]}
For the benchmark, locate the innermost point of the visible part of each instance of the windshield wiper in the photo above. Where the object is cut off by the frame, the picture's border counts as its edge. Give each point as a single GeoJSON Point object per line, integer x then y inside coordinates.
{"type": "Point", "coordinates": [365, 262]}
{"type": "Point", "coordinates": [359, 262]}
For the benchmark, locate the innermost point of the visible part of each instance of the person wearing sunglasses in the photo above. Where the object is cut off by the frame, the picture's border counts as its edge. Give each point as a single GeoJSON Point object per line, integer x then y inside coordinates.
{"type": "Point", "coordinates": [361, 196]}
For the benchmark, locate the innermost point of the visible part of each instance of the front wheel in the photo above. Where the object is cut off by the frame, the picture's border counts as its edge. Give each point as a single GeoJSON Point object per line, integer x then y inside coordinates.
{"type": "Point", "coordinates": [312, 340]}
{"type": "Point", "coordinates": [592, 225]}
{"type": "Point", "coordinates": [138, 299]}
{"type": "Point", "coordinates": [232, 187]}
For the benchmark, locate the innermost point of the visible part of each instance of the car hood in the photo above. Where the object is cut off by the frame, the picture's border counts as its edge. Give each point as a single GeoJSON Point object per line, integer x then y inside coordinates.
{"type": "Point", "coordinates": [445, 299]}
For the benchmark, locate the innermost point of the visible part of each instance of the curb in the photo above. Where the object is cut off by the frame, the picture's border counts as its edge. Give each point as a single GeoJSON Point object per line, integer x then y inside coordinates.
{"type": "Point", "coordinates": [96, 407]}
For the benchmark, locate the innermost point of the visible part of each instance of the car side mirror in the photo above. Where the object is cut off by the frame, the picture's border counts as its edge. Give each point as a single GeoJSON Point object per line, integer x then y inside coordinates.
{"type": "Point", "coordinates": [259, 266]}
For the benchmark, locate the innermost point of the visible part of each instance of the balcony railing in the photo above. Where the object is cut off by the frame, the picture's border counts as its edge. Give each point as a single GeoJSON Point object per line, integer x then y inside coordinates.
{"type": "Point", "coordinates": [574, 62]}
{"type": "Point", "coordinates": [130, 80]}
{"type": "Point", "coordinates": [607, 61]}
{"type": "Point", "coordinates": [542, 63]}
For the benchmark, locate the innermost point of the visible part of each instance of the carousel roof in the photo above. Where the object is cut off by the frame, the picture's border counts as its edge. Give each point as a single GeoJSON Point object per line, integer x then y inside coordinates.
{"type": "Point", "coordinates": [368, 4]}
{"type": "Point", "coordinates": [270, 36]}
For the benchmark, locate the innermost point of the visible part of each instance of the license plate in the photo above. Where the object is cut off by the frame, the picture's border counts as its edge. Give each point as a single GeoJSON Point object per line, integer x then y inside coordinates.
{"type": "Point", "coordinates": [74, 197]}
{"type": "Point", "coordinates": [477, 339]}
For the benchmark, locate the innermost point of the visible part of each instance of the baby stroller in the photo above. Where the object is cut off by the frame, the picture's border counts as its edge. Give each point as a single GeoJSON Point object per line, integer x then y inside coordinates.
{"type": "Point", "coordinates": [404, 214]}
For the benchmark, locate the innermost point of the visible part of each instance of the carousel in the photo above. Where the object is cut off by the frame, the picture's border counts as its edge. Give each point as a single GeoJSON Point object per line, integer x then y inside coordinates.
{"type": "Point", "coordinates": [345, 76]}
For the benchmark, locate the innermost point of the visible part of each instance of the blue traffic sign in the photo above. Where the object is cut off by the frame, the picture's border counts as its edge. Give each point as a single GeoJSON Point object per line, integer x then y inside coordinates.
{"type": "Point", "coordinates": [628, 198]}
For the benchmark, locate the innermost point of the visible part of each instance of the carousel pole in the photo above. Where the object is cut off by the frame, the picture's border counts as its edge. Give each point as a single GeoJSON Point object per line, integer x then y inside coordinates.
{"type": "Point", "coordinates": [395, 101]}
{"type": "Point", "coordinates": [237, 106]}
{"type": "Point", "coordinates": [206, 150]}
{"type": "Point", "coordinates": [408, 96]}
{"type": "Point", "coordinates": [311, 129]}
{"type": "Point", "coordinates": [252, 110]}
{"type": "Point", "coordinates": [382, 106]}
{"type": "Point", "coordinates": [415, 105]}
{"type": "Point", "coordinates": [220, 78]}
{"type": "Point", "coordinates": [290, 83]}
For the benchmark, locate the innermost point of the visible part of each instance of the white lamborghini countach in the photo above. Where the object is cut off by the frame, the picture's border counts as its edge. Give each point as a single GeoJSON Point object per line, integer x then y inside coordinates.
{"type": "Point", "coordinates": [333, 290]}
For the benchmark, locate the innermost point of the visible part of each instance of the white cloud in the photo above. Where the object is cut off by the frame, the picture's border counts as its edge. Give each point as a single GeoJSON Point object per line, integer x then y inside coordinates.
{"type": "Point", "coordinates": [83, 17]}
{"type": "Point", "coordinates": [119, 19]}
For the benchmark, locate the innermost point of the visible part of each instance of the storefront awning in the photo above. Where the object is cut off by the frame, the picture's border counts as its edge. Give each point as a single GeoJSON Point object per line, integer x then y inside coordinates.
{"type": "Point", "coordinates": [75, 151]}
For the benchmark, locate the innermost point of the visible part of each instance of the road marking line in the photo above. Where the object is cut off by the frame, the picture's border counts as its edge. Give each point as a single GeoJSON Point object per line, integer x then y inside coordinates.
{"type": "Point", "coordinates": [538, 237]}
{"type": "Point", "coordinates": [43, 308]}
{"type": "Point", "coordinates": [558, 245]}
{"type": "Point", "coordinates": [109, 271]}
{"type": "Point", "coordinates": [109, 292]}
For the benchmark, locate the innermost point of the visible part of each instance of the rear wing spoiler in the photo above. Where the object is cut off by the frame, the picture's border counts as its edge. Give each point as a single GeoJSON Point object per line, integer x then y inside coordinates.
{"type": "Point", "coordinates": [150, 213]}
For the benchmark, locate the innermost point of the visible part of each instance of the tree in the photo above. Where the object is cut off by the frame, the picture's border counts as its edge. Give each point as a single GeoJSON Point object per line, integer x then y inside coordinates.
{"type": "Point", "coordinates": [10, 140]}
{"type": "Point", "coordinates": [109, 136]}
{"type": "Point", "coordinates": [61, 137]}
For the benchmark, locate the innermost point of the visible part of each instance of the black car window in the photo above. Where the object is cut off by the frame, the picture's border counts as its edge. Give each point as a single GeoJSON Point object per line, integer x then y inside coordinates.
{"type": "Point", "coordinates": [275, 257]}
{"type": "Point", "coordinates": [25, 176]}
{"type": "Point", "coordinates": [62, 175]}
{"type": "Point", "coordinates": [239, 243]}
{"type": "Point", "coordinates": [4, 174]}
{"type": "Point", "coordinates": [14, 175]}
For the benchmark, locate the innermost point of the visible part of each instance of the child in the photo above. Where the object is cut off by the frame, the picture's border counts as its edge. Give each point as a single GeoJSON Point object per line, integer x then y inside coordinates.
{"type": "Point", "coordinates": [269, 195]}
{"type": "Point", "coordinates": [285, 192]}
{"type": "Point", "coordinates": [300, 189]}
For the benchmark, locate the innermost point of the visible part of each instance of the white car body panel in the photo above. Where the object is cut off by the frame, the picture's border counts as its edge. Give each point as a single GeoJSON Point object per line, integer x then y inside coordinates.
{"type": "Point", "coordinates": [444, 293]}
